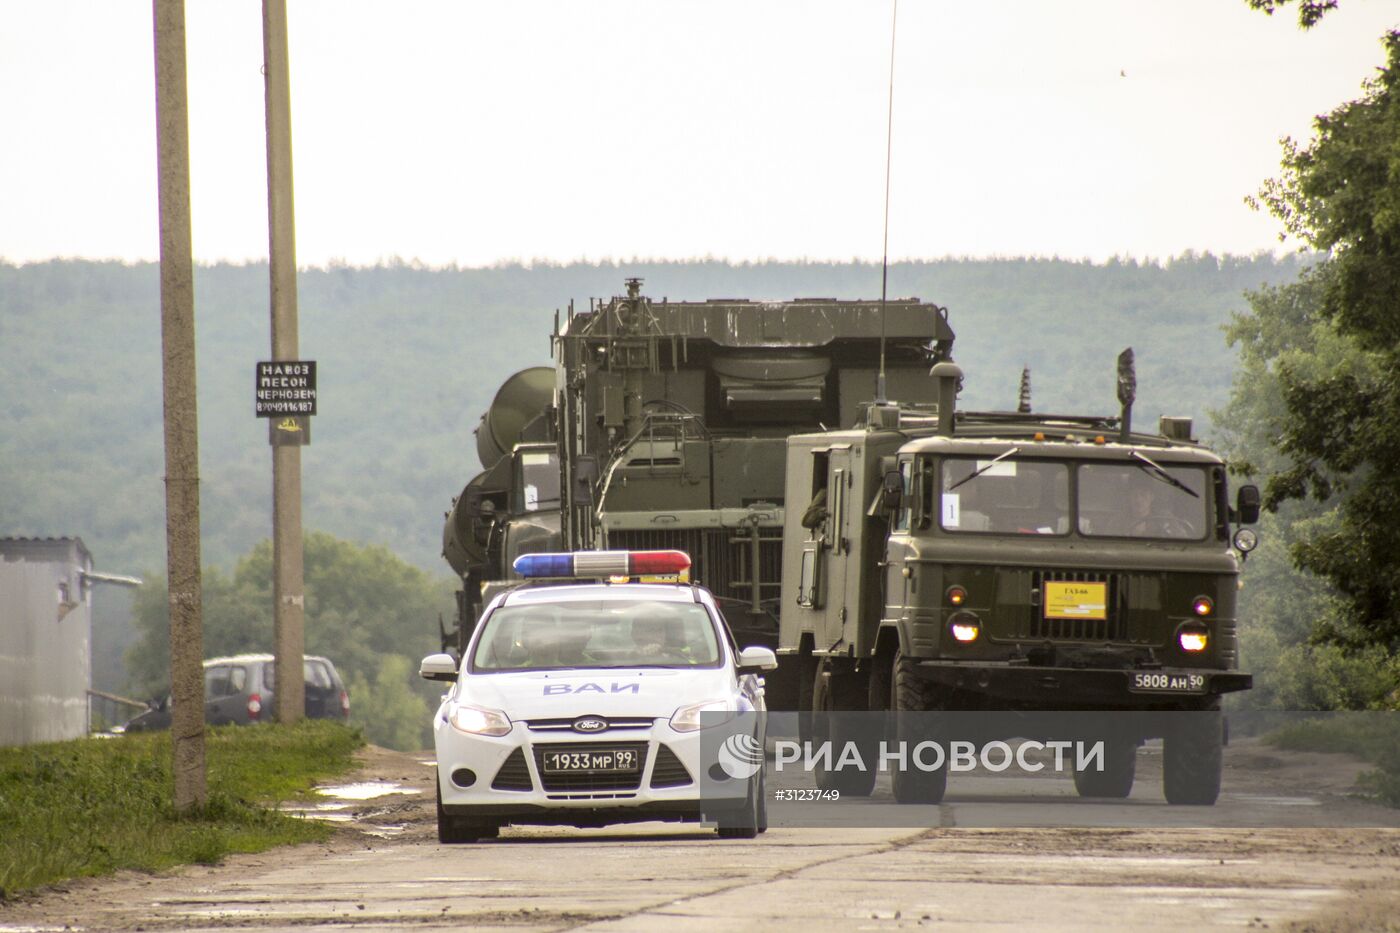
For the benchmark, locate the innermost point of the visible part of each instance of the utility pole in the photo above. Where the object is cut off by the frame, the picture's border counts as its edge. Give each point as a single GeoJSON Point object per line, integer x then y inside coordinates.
{"type": "Point", "coordinates": [288, 590]}
{"type": "Point", "coordinates": [181, 415]}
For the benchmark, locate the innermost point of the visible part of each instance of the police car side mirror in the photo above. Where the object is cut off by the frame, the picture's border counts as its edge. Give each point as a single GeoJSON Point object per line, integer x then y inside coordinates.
{"type": "Point", "coordinates": [892, 491]}
{"type": "Point", "coordinates": [757, 659]}
{"type": "Point", "coordinates": [1247, 504]}
{"type": "Point", "coordinates": [438, 667]}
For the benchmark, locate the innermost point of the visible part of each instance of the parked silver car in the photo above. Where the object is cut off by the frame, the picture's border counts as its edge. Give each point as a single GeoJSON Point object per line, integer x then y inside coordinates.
{"type": "Point", "coordinates": [240, 689]}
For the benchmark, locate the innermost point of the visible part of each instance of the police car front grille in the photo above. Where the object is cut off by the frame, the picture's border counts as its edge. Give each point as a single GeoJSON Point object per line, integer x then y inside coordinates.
{"type": "Point", "coordinates": [566, 724]}
{"type": "Point", "coordinates": [584, 782]}
{"type": "Point", "coordinates": [668, 771]}
{"type": "Point", "coordinates": [514, 774]}
{"type": "Point", "coordinates": [1114, 628]}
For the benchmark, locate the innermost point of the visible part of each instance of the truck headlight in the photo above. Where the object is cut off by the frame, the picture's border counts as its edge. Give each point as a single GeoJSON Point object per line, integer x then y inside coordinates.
{"type": "Point", "coordinates": [965, 626]}
{"type": "Point", "coordinates": [478, 720]}
{"type": "Point", "coordinates": [1193, 639]}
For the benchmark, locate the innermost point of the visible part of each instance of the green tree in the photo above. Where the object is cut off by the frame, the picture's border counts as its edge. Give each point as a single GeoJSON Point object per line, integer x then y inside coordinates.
{"type": "Point", "coordinates": [1283, 611]}
{"type": "Point", "coordinates": [1340, 438]}
{"type": "Point", "coordinates": [1310, 12]}
{"type": "Point", "coordinates": [369, 612]}
{"type": "Point", "coordinates": [388, 709]}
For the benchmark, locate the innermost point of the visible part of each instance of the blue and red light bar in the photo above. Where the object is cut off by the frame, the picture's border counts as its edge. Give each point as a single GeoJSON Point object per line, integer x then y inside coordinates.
{"type": "Point", "coordinates": [593, 564]}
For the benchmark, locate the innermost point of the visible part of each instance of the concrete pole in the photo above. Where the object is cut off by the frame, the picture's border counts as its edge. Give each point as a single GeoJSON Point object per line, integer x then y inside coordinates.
{"type": "Point", "coordinates": [288, 590]}
{"type": "Point", "coordinates": [181, 416]}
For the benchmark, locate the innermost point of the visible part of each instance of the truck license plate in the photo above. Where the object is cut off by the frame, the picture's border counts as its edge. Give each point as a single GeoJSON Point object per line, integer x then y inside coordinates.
{"type": "Point", "coordinates": [1161, 682]}
{"type": "Point", "coordinates": [609, 761]}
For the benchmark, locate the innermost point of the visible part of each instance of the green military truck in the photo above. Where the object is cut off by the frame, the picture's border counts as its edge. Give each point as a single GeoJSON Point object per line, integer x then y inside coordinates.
{"type": "Point", "coordinates": [1016, 562]}
{"type": "Point", "coordinates": [664, 424]}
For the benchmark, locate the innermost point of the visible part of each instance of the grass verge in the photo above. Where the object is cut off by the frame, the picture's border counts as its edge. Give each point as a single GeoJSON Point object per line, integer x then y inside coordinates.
{"type": "Point", "coordinates": [1371, 736]}
{"type": "Point", "coordinates": [90, 807]}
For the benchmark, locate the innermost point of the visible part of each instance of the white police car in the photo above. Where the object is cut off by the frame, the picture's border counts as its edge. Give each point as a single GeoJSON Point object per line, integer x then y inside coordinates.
{"type": "Point", "coordinates": [584, 703]}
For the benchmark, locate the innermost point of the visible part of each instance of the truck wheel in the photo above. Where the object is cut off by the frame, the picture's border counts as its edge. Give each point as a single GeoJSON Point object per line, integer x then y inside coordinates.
{"type": "Point", "coordinates": [453, 830]}
{"type": "Point", "coordinates": [838, 731]}
{"type": "Point", "coordinates": [913, 698]}
{"type": "Point", "coordinates": [1116, 778]}
{"type": "Point", "coordinates": [1192, 758]}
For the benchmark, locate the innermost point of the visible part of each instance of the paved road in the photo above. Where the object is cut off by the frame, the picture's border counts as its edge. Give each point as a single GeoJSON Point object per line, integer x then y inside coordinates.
{"type": "Point", "coordinates": [1329, 862]}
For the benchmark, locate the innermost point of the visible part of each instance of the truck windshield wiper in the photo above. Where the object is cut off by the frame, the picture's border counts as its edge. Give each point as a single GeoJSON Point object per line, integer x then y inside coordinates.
{"type": "Point", "coordinates": [1156, 472]}
{"type": "Point", "coordinates": [982, 469]}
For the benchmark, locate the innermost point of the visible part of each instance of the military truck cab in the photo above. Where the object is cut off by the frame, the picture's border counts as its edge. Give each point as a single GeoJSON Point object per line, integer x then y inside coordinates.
{"type": "Point", "coordinates": [1014, 563]}
{"type": "Point", "coordinates": [1110, 560]}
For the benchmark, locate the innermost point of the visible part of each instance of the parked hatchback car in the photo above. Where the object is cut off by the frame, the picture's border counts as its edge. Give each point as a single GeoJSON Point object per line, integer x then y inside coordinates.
{"type": "Point", "coordinates": [240, 689]}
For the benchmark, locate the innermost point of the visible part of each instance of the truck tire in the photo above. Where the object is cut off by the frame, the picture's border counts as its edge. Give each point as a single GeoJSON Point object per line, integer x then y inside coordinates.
{"type": "Point", "coordinates": [911, 694]}
{"type": "Point", "coordinates": [453, 830]}
{"type": "Point", "coordinates": [1192, 758]}
{"type": "Point", "coordinates": [1119, 770]}
{"type": "Point", "coordinates": [832, 696]}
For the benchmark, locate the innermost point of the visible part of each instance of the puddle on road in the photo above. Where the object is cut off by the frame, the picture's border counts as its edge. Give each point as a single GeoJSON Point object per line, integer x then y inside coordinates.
{"type": "Point", "coordinates": [339, 810]}
{"type": "Point", "coordinates": [367, 790]}
{"type": "Point", "coordinates": [328, 812]}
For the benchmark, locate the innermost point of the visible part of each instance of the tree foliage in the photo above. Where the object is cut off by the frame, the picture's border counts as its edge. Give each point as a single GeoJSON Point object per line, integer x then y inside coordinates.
{"type": "Point", "coordinates": [1310, 12]}
{"type": "Point", "coordinates": [1339, 435]}
{"type": "Point", "coordinates": [1289, 619]}
{"type": "Point", "coordinates": [409, 358]}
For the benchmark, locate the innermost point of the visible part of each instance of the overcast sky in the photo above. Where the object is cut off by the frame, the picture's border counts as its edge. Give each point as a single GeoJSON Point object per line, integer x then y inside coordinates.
{"type": "Point", "coordinates": [476, 133]}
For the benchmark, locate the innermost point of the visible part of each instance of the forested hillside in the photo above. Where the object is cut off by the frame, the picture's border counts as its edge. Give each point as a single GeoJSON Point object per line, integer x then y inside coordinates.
{"type": "Point", "coordinates": [409, 357]}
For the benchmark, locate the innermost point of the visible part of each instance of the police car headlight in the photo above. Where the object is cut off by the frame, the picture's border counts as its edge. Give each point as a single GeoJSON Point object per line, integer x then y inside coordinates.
{"type": "Point", "coordinates": [478, 720]}
{"type": "Point", "coordinates": [688, 718]}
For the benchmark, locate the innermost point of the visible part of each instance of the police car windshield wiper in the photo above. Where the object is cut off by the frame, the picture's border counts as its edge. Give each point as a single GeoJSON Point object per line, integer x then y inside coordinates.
{"type": "Point", "coordinates": [984, 468]}
{"type": "Point", "coordinates": [1156, 472]}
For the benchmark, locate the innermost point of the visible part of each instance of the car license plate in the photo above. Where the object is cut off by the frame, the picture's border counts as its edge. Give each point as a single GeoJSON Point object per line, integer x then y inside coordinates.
{"type": "Point", "coordinates": [1162, 682]}
{"type": "Point", "coordinates": [607, 761]}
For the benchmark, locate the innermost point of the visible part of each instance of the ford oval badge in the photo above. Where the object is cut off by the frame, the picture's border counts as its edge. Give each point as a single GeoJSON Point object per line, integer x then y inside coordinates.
{"type": "Point", "coordinates": [590, 724]}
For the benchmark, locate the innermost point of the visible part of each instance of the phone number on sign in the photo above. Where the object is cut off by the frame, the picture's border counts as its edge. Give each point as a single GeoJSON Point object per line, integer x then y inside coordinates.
{"type": "Point", "coordinates": [805, 794]}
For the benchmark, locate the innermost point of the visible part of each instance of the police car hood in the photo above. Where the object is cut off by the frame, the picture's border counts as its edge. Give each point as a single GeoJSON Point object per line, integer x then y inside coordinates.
{"type": "Point", "coordinates": [649, 692]}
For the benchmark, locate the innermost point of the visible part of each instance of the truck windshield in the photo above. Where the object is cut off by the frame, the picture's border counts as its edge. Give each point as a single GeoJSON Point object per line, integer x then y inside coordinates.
{"type": "Point", "coordinates": [1008, 496]}
{"type": "Point", "coordinates": [1133, 501]}
{"type": "Point", "coordinates": [596, 634]}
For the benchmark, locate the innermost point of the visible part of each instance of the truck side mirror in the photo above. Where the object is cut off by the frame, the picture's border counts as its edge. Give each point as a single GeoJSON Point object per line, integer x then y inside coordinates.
{"type": "Point", "coordinates": [1247, 504]}
{"type": "Point", "coordinates": [892, 491]}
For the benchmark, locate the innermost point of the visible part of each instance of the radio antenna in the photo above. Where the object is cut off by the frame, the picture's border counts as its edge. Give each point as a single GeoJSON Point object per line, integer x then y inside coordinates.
{"type": "Point", "coordinates": [885, 253]}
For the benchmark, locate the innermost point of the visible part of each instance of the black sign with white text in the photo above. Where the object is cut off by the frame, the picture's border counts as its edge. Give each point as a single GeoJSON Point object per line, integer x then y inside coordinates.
{"type": "Point", "coordinates": [286, 387]}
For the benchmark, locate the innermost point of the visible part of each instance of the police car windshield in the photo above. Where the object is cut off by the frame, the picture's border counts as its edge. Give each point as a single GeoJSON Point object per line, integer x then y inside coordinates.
{"type": "Point", "coordinates": [597, 634]}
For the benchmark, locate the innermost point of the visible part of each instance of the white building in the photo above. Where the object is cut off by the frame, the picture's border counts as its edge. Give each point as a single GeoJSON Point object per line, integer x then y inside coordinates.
{"type": "Point", "coordinates": [46, 638]}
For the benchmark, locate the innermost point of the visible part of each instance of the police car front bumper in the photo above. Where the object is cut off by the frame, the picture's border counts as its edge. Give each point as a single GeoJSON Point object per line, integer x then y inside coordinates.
{"type": "Point", "coordinates": [507, 778]}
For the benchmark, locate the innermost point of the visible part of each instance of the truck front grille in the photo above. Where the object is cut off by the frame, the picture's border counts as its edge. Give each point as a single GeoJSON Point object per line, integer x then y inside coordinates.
{"type": "Point", "coordinates": [1112, 629]}
{"type": "Point", "coordinates": [719, 557]}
